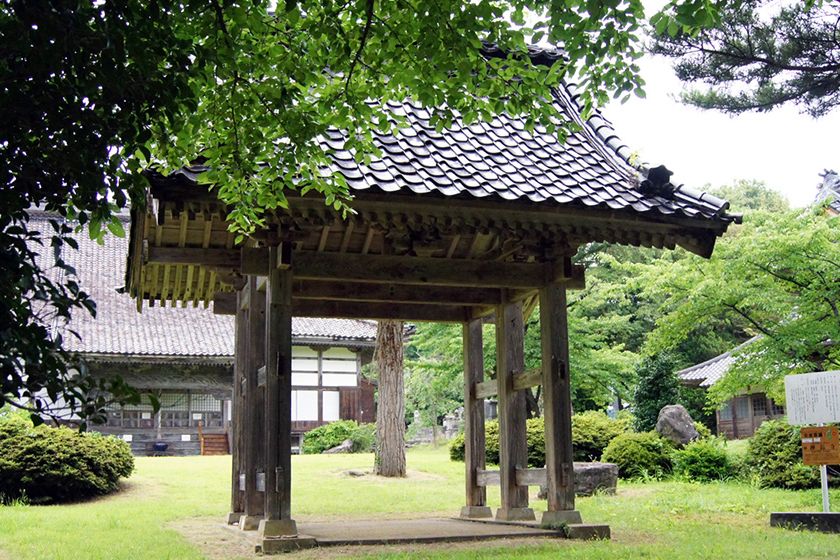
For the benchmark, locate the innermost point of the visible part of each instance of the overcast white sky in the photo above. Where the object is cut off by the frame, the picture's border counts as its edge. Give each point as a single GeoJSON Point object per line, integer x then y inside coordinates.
{"type": "Point", "coordinates": [783, 148]}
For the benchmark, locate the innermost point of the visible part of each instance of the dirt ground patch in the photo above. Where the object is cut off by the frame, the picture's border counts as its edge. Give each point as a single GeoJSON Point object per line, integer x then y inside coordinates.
{"type": "Point", "coordinates": [219, 542]}
{"type": "Point", "coordinates": [367, 475]}
{"type": "Point", "coordinates": [215, 540]}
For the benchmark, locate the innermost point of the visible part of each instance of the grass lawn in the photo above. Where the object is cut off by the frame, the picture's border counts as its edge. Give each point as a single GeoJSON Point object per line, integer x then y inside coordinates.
{"type": "Point", "coordinates": [661, 520]}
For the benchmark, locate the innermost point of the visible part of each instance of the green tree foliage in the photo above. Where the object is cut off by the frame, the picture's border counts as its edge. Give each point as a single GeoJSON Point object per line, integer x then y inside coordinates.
{"type": "Point", "coordinates": [776, 276]}
{"type": "Point", "coordinates": [745, 195]}
{"type": "Point", "coordinates": [758, 55]}
{"type": "Point", "coordinates": [658, 386]}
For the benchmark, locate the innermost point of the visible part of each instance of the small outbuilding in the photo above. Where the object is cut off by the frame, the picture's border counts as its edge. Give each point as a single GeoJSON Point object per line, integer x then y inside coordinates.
{"type": "Point", "coordinates": [740, 416]}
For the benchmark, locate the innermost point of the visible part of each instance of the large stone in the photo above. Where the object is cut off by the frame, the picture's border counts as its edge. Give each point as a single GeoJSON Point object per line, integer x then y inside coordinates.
{"type": "Point", "coordinates": [345, 447]}
{"type": "Point", "coordinates": [591, 478]}
{"type": "Point", "coordinates": [675, 424]}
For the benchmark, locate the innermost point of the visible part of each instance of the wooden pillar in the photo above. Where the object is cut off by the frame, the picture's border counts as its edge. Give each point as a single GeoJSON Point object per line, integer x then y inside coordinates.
{"type": "Point", "coordinates": [278, 401]}
{"type": "Point", "coordinates": [237, 410]}
{"type": "Point", "coordinates": [474, 443]}
{"type": "Point", "coordinates": [513, 444]}
{"type": "Point", "coordinates": [252, 413]}
{"type": "Point", "coordinates": [557, 401]}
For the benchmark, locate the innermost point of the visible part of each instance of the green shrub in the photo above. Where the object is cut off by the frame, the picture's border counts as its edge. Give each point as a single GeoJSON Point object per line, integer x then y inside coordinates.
{"type": "Point", "coordinates": [639, 454]}
{"type": "Point", "coordinates": [774, 458]}
{"type": "Point", "coordinates": [43, 464]}
{"type": "Point", "coordinates": [330, 435]}
{"type": "Point", "coordinates": [491, 446]}
{"type": "Point", "coordinates": [364, 438]}
{"type": "Point", "coordinates": [703, 430]}
{"type": "Point", "coordinates": [591, 432]}
{"type": "Point", "coordinates": [703, 460]}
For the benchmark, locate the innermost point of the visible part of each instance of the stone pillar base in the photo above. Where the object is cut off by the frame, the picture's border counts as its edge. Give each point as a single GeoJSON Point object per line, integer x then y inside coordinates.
{"type": "Point", "coordinates": [249, 522]}
{"type": "Point", "coordinates": [515, 514]}
{"type": "Point", "coordinates": [233, 517]}
{"type": "Point", "coordinates": [476, 512]}
{"type": "Point", "coordinates": [278, 528]}
{"type": "Point", "coordinates": [564, 517]}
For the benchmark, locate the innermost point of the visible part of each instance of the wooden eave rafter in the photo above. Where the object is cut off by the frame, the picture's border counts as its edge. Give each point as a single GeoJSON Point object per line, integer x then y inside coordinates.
{"type": "Point", "coordinates": [398, 256]}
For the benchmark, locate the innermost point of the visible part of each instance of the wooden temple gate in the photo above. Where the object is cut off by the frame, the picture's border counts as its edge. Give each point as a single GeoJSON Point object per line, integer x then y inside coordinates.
{"type": "Point", "coordinates": [416, 254]}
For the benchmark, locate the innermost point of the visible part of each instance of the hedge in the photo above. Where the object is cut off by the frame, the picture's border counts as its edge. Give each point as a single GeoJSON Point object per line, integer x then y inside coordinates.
{"type": "Point", "coordinates": [591, 433]}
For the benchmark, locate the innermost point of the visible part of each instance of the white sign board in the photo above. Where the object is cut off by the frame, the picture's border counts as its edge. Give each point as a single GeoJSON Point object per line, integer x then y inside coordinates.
{"type": "Point", "coordinates": [813, 398]}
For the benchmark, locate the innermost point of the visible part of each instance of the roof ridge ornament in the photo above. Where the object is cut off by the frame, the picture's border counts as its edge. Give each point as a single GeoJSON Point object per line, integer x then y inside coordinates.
{"type": "Point", "coordinates": [657, 182]}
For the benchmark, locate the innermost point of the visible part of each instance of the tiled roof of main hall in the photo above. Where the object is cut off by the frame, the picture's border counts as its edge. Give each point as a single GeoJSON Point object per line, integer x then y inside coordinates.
{"type": "Point", "coordinates": [502, 159]}
{"type": "Point", "coordinates": [191, 332]}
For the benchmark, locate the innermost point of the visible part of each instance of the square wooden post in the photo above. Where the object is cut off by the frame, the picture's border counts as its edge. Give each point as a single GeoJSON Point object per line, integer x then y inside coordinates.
{"type": "Point", "coordinates": [474, 443]}
{"type": "Point", "coordinates": [253, 402]}
{"type": "Point", "coordinates": [277, 521]}
{"type": "Point", "coordinates": [513, 443]}
{"type": "Point", "coordinates": [237, 494]}
{"type": "Point", "coordinates": [557, 401]}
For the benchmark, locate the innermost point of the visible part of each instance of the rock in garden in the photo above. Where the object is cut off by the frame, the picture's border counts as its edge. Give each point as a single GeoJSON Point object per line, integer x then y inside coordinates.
{"type": "Point", "coordinates": [591, 477]}
{"type": "Point", "coordinates": [345, 447]}
{"type": "Point", "coordinates": [675, 423]}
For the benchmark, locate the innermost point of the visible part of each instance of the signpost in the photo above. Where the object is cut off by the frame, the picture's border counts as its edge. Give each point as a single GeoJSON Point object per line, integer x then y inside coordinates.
{"type": "Point", "coordinates": [814, 398]}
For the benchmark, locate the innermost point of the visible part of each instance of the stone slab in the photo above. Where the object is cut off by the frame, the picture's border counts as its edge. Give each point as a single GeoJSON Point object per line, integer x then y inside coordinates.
{"type": "Point", "coordinates": [515, 514]}
{"type": "Point", "coordinates": [476, 512]}
{"type": "Point", "coordinates": [279, 545]}
{"type": "Point", "coordinates": [417, 531]}
{"type": "Point", "coordinates": [809, 521]}
{"type": "Point", "coordinates": [553, 519]}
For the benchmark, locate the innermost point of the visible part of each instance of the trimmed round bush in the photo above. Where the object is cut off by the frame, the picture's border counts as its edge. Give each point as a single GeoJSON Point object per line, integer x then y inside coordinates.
{"type": "Point", "coordinates": [639, 454]}
{"type": "Point", "coordinates": [53, 465]}
{"type": "Point", "coordinates": [330, 435]}
{"type": "Point", "coordinates": [703, 460]}
{"type": "Point", "coordinates": [592, 432]}
{"type": "Point", "coordinates": [491, 448]}
{"type": "Point", "coordinates": [774, 458]}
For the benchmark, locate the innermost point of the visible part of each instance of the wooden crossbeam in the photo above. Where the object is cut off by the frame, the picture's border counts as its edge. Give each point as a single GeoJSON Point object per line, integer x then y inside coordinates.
{"type": "Point", "coordinates": [394, 293]}
{"type": "Point", "coordinates": [419, 270]}
{"type": "Point", "coordinates": [490, 388]}
{"type": "Point", "coordinates": [366, 310]}
{"type": "Point", "coordinates": [379, 268]}
{"type": "Point", "coordinates": [524, 477]}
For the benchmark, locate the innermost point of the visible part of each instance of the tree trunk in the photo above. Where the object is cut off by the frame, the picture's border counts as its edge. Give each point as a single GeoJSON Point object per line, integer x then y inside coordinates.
{"type": "Point", "coordinates": [390, 414]}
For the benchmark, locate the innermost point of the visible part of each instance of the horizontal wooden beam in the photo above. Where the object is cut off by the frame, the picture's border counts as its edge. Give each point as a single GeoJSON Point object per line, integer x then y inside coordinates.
{"type": "Point", "coordinates": [224, 303]}
{"type": "Point", "coordinates": [395, 293]}
{"type": "Point", "coordinates": [486, 389]}
{"type": "Point", "coordinates": [524, 477]}
{"type": "Point", "coordinates": [365, 310]}
{"type": "Point", "coordinates": [521, 381]}
{"type": "Point", "coordinates": [422, 270]}
{"type": "Point", "coordinates": [527, 379]}
{"type": "Point", "coordinates": [387, 269]}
